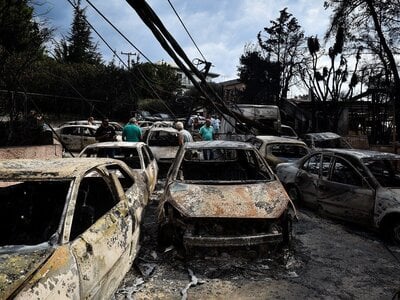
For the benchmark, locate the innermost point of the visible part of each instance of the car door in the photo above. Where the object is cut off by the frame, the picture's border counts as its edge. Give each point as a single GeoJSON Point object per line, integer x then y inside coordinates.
{"type": "Point", "coordinates": [71, 137]}
{"type": "Point", "coordinates": [307, 179]}
{"type": "Point", "coordinates": [150, 166]}
{"type": "Point", "coordinates": [101, 234]}
{"type": "Point", "coordinates": [345, 194]}
{"type": "Point", "coordinates": [88, 136]}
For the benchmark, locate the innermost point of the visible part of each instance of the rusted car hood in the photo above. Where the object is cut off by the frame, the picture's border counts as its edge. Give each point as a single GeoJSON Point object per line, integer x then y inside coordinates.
{"type": "Point", "coordinates": [16, 267]}
{"type": "Point", "coordinates": [256, 200]}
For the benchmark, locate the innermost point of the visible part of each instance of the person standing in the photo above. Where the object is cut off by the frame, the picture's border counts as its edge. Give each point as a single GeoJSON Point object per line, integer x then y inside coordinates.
{"type": "Point", "coordinates": [215, 124]}
{"type": "Point", "coordinates": [132, 132]}
{"type": "Point", "coordinates": [207, 134]}
{"type": "Point", "coordinates": [105, 133]}
{"type": "Point", "coordinates": [184, 136]}
{"type": "Point", "coordinates": [90, 121]}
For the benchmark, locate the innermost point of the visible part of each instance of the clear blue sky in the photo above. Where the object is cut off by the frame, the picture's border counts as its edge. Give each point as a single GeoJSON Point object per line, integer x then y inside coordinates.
{"type": "Point", "coordinates": [221, 28]}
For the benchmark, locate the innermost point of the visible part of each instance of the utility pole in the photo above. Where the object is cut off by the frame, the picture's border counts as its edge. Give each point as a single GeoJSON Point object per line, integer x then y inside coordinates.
{"type": "Point", "coordinates": [129, 54]}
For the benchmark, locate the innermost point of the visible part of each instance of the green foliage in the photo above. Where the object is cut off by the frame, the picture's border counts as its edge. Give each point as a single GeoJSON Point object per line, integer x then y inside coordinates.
{"type": "Point", "coordinates": [282, 43]}
{"type": "Point", "coordinates": [372, 25]}
{"type": "Point", "coordinates": [261, 77]}
{"type": "Point", "coordinates": [21, 44]}
{"type": "Point", "coordinates": [152, 105]}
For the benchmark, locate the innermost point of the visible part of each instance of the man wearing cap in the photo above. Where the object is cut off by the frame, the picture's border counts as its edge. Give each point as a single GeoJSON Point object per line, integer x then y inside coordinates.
{"type": "Point", "coordinates": [132, 132]}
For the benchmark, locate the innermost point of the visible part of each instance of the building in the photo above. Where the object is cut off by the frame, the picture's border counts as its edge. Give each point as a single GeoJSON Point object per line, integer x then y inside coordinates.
{"type": "Point", "coordinates": [185, 81]}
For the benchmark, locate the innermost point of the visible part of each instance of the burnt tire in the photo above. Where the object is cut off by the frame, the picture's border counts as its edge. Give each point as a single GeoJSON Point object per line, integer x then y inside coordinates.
{"type": "Point", "coordinates": [294, 194]}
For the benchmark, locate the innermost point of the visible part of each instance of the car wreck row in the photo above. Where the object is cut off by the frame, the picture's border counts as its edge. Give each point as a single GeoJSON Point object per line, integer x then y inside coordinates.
{"type": "Point", "coordinates": [70, 227]}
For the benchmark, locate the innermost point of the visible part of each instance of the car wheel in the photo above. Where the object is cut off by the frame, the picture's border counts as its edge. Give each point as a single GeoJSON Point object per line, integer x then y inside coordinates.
{"type": "Point", "coordinates": [395, 232]}
{"type": "Point", "coordinates": [294, 194]}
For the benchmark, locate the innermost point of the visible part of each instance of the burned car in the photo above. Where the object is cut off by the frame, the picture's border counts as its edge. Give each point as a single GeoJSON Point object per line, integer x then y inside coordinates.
{"type": "Point", "coordinates": [70, 227]}
{"type": "Point", "coordinates": [319, 140]}
{"type": "Point", "coordinates": [232, 199]}
{"type": "Point", "coordinates": [277, 150]}
{"type": "Point", "coordinates": [137, 155]}
{"type": "Point", "coordinates": [357, 186]}
{"type": "Point", "coordinates": [164, 143]}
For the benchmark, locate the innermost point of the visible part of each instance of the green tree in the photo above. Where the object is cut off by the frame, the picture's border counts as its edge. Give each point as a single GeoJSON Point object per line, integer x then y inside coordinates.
{"type": "Point", "coordinates": [261, 77]}
{"type": "Point", "coordinates": [78, 47]}
{"type": "Point", "coordinates": [374, 25]}
{"type": "Point", "coordinates": [330, 83]}
{"type": "Point", "coordinates": [282, 43]}
{"type": "Point", "coordinates": [21, 44]}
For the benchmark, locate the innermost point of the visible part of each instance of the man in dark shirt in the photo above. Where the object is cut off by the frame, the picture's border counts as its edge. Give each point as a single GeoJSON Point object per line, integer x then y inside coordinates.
{"type": "Point", "coordinates": [105, 133]}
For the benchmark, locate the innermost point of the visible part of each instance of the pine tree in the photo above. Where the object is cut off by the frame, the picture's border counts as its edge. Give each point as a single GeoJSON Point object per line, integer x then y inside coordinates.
{"type": "Point", "coordinates": [78, 47]}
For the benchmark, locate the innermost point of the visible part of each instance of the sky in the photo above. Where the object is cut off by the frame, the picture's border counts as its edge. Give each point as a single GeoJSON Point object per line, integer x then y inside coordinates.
{"type": "Point", "coordinates": [220, 28]}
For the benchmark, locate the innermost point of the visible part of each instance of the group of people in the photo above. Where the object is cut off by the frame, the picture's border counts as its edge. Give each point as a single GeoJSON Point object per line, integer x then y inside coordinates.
{"type": "Point", "coordinates": [106, 133]}
{"type": "Point", "coordinates": [133, 133]}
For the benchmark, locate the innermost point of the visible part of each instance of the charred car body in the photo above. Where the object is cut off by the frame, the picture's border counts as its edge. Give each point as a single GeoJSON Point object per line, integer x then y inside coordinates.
{"type": "Point", "coordinates": [320, 140]}
{"type": "Point", "coordinates": [70, 227]}
{"type": "Point", "coordinates": [164, 143]}
{"type": "Point", "coordinates": [137, 155]}
{"type": "Point", "coordinates": [233, 199]}
{"type": "Point", "coordinates": [279, 149]}
{"type": "Point", "coordinates": [358, 186]}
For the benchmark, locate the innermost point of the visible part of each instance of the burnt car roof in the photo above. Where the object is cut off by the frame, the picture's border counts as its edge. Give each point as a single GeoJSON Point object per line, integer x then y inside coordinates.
{"type": "Point", "coordinates": [167, 129]}
{"type": "Point", "coordinates": [279, 139]}
{"type": "Point", "coordinates": [120, 144]}
{"type": "Point", "coordinates": [218, 144]}
{"type": "Point", "coordinates": [363, 154]}
{"type": "Point", "coordinates": [323, 136]}
{"type": "Point", "coordinates": [62, 168]}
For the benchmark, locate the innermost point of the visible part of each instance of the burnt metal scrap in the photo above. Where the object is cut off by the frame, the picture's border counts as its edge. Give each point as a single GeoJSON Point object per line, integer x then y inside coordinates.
{"type": "Point", "coordinates": [193, 282]}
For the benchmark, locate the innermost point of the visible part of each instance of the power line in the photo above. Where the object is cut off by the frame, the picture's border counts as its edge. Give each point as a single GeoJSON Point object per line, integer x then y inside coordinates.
{"type": "Point", "coordinates": [136, 48]}
{"type": "Point", "coordinates": [152, 90]}
{"type": "Point", "coordinates": [116, 29]}
{"type": "Point", "coordinates": [176, 13]}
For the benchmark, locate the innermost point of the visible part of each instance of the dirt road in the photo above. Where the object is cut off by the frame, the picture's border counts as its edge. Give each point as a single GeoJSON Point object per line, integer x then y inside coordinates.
{"type": "Point", "coordinates": [327, 260]}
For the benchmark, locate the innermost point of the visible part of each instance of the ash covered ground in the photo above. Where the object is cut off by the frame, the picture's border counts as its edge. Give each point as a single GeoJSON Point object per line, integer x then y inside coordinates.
{"type": "Point", "coordinates": [327, 260]}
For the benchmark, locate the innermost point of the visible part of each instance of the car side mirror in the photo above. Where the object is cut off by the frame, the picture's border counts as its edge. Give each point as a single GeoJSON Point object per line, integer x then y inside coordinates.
{"type": "Point", "coordinates": [180, 175]}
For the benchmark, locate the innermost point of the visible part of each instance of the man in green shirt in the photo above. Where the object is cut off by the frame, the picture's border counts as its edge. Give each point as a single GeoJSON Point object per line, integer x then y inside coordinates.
{"type": "Point", "coordinates": [132, 132]}
{"type": "Point", "coordinates": [207, 134]}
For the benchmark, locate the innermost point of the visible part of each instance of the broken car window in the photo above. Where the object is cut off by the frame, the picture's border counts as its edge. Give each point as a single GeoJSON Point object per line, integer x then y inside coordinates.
{"type": "Point", "coordinates": [30, 211]}
{"type": "Point", "coordinates": [124, 178]}
{"type": "Point", "coordinates": [344, 173]}
{"type": "Point", "coordinates": [163, 138]}
{"type": "Point", "coordinates": [94, 200]}
{"type": "Point", "coordinates": [287, 150]}
{"type": "Point", "coordinates": [386, 171]}
{"type": "Point", "coordinates": [312, 165]}
{"type": "Point", "coordinates": [225, 165]}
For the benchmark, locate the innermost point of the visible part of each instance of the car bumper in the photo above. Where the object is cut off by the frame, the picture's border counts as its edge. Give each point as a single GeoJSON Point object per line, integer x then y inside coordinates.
{"type": "Point", "coordinates": [232, 241]}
